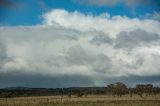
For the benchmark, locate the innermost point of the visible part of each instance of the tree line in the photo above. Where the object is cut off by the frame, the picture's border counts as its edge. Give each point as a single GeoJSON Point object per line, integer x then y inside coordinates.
{"type": "Point", "coordinates": [120, 89]}
{"type": "Point", "coordinates": [116, 89]}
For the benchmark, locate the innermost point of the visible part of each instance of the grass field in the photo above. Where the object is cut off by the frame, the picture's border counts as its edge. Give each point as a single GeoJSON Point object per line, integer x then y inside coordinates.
{"type": "Point", "coordinates": [94, 100]}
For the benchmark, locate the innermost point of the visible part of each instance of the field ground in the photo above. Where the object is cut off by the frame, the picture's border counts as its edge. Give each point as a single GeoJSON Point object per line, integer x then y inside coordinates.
{"type": "Point", "coordinates": [91, 100]}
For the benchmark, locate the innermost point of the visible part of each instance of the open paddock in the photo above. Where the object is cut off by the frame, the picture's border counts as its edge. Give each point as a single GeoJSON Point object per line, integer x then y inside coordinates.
{"type": "Point", "coordinates": [90, 100]}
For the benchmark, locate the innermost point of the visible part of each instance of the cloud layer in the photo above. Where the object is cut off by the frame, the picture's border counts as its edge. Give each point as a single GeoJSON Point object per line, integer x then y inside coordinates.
{"type": "Point", "coordinates": [114, 2]}
{"type": "Point", "coordinates": [7, 4]}
{"type": "Point", "coordinates": [70, 44]}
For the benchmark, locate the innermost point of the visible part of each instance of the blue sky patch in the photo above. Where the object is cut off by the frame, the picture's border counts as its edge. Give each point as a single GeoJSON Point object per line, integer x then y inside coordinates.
{"type": "Point", "coordinates": [29, 12]}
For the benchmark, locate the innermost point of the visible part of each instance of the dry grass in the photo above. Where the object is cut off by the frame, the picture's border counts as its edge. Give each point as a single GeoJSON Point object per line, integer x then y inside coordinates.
{"type": "Point", "coordinates": [92, 100]}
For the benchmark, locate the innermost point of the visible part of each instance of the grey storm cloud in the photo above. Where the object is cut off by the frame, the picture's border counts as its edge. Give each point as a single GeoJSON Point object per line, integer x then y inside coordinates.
{"type": "Point", "coordinates": [102, 38]}
{"type": "Point", "coordinates": [13, 79]}
{"type": "Point", "coordinates": [3, 54]}
{"type": "Point", "coordinates": [16, 78]}
{"type": "Point", "coordinates": [133, 80]}
{"type": "Point", "coordinates": [99, 63]}
{"type": "Point", "coordinates": [59, 55]}
{"type": "Point", "coordinates": [135, 38]}
{"type": "Point", "coordinates": [138, 63]}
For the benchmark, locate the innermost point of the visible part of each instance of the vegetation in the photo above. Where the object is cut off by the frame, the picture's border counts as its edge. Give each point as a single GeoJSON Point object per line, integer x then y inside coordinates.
{"type": "Point", "coordinates": [117, 89]}
{"type": "Point", "coordinates": [117, 94]}
{"type": "Point", "coordinates": [90, 100]}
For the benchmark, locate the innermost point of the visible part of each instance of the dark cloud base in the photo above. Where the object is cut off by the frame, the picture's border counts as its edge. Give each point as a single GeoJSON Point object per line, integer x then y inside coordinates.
{"type": "Point", "coordinates": [14, 79]}
{"type": "Point", "coordinates": [7, 4]}
{"type": "Point", "coordinates": [133, 80]}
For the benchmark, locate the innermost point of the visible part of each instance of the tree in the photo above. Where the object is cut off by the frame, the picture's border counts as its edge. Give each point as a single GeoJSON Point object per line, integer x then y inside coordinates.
{"type": "Point", "coordinates": [148, 89]}
{"type": "Point", "coordinates": [110, 89]}
{"type": "Point", "coordinates": [156, 90]}
{"type": "Point", "coordinates": [139, 90]}
{"type": "Point", "coordinates": [144, 89]}
{"type": "Point", "coordinates": [80, 94]}
{"type": "Point", "coordinates": [118, 89]}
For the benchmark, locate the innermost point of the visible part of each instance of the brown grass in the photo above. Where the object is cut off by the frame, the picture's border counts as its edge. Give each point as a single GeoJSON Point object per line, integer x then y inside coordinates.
{"type": "Point", "coordinates": [91, 100]}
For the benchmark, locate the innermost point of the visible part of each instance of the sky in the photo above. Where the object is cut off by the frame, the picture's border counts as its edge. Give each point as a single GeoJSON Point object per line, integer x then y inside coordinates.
{"type": "Point", "coordinates": [71, 43]}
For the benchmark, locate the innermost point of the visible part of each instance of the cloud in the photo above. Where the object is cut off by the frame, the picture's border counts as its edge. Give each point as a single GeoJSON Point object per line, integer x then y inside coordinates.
{"type": "Point", "coordinates": [102, 39]}
{"type": "Point", "coordinates": [98, 63]}
{"type": "Point", "coordinates": [98, 2]}
{"type": "Point", "coordinates": [138, 2]}
{"type": "Point", "coordinates": [3, 55]}
{"type": "Point", "coordinates": [102, 23]}
{"type": "Point", "coordinates": [129, 3]}
{"type": "Point", "coordinates": [7, 4]}
{"type": "Point", "coordinates": [44, 81]}
{"type": "Point", "coordinates": [75, 46]}
{"type": "Point", "coordinates": [155, 16]}
{"type": "Point", "coordinates": [12, 79]}
{"type": "Point", "coordinates": [136, 38]}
